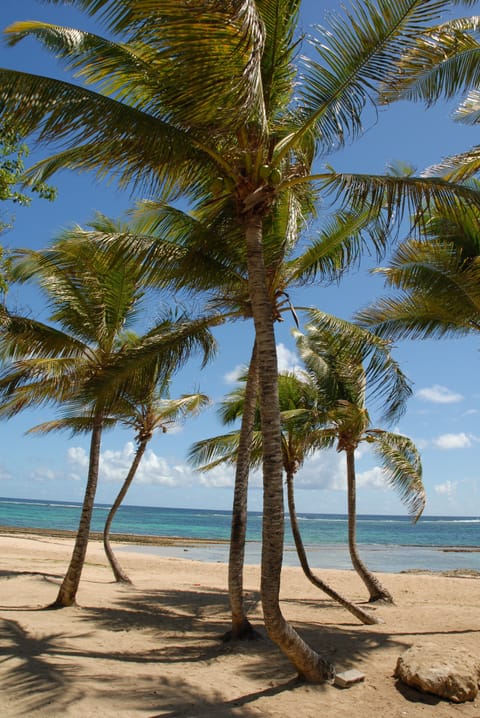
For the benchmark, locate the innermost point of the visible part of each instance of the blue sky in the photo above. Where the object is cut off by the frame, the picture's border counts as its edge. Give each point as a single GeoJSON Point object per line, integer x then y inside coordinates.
{"type": "Point", "coordinates": [442, 415]}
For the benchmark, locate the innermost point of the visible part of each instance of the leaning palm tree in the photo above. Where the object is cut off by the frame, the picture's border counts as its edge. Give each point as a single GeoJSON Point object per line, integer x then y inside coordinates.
{"type": "Point", "coordinates": [146, 410]}
{"type": "Point", "coordinates": [81, 362]}
{"type": "Point", "coordinates": [298, 442]}
{"type": "Point", "coordinates": [212, 105]}
{"type": "Point", "coordinates": [349, 368]}
{"type": "Point", "coordinates": [154, 412]}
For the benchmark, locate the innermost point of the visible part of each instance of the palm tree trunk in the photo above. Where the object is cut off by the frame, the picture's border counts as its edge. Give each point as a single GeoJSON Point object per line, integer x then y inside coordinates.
{"type": "Point", "coordinates": [376, 590]}
{"type": "Point", "coordinates": [363, 616]}
{"type": "Point", "coordinates": [118, 572]}
{"type": "Point", "coordinates": [241, 626]}
{"type": "Point", "coordinates": [308, 663]}
{"type": "Point", "coordinates": [68, 589]}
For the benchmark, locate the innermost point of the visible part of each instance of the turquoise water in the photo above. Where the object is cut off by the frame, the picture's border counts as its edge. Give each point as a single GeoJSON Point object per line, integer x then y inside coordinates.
{"type": "Point", "coordinates": [388, 542]}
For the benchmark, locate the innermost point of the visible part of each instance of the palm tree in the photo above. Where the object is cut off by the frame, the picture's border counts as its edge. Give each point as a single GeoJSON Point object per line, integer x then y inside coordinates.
{"type": "Point", "coordinates": [175, 250]}
{"type": "Point", "coordinates": [155, 411]}
{"type": "Point", "coordinates": [298, 442]}
{"type": "Point", "coordinates": [335, 353]}
{"type": "Point", "coordinates": [149, 410]}
{"type": "Point", "coordinates": [175, 246]}
{"type": "Point", "coordinates": [82, 361]}
{"type": "Point", "coordinates": [205, 104]}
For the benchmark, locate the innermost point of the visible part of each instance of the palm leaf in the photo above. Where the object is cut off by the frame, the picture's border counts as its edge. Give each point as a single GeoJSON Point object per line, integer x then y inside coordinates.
{"type": "Point", "coordinates": [343, 348]}
{"type": "Point", "coordinates": [356, 51]}
{"type": "Point", "coordinates": [443, 61]}
{"type": "Point", "coordinates": [402, 464]}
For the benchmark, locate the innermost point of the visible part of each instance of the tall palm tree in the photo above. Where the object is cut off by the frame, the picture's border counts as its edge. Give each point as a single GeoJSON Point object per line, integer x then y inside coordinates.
{"type": "Point", "coordinates": [81, 362]}
{"type": "Point", "coordinates": [298, 442]}
{"type": "Point", "coordinates": [349, 368]}
{"type": "Point", "coordinates": [175, 247]}
{"type": "Point", "coordinates": [211, 104]}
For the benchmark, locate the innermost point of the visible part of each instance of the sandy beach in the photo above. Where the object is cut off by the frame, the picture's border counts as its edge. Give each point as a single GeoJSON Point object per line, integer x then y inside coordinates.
{"type": "Point", "coordinates": [152, 650]}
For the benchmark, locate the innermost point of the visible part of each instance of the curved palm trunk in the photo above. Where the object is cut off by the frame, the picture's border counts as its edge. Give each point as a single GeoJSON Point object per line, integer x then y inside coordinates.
{"type": "Point", "coordinates": [376, 590]}
{"type": "Point", "coordinates": [118, 572]}
{"type": "Point", "coordinates": [363, 616]}
{"type": "Point", "coordinates": [308, 663]}
{"type": "Point", "coordinates": [68, 589]}
{"type": "Point", "coordinates": [241, 626]}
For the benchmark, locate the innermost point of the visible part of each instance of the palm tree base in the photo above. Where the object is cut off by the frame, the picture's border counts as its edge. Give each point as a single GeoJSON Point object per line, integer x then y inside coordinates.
{"type": "Point", "coordinates": [60, 604]}
{"type": "Point", "coordinates": [244, 632]}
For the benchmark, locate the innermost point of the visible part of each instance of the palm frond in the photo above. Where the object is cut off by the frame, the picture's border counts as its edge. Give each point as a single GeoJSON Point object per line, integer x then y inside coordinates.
{"type": "Point", "coordinates": [210, 453]}
{"type": "Point", "coordinates": [468, 112]}
{"type": "Point", "coordinates": [443, 61]}
{"type": "Point", "coordinates": [398, 197]}
{"type": "Point", "coordinates": [166, 347]}
{"type": "Point", "coordinates": [359, 49]}
{"type": "Point", "coordinates": [22, 336]}
{"type": "Point", "coordinates": [402, 464]}
{"type": "Point", "coordinates": [457, 168]}
{"type": "Point", "coordinates": [354, 360]}
{"type": "Point", "coordinates": [339, 246]}
{"type": "Point", "coordinates": [100, 134]}
{"type": "Point", "coordinates": [212, 43]}
{"type": "Point", "coordinates": [280, 19]}
{"type": "Point", "coordinates": [439, 292]}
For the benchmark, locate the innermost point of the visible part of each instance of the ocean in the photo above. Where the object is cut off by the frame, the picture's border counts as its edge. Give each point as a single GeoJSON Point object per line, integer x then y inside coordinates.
{"type": "Point", "coordinates": [386, 543]}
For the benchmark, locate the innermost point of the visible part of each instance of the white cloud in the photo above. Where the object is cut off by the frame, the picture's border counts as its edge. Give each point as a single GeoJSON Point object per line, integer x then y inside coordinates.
{"type": "Point", "coordinates": [453, 441]}
{"type": "Point", "coordinates": [323, 470]}
{"type": "Point", "coordinates": [219, 478]}
{"type": "Point", "coordinates": [372, 479]}
{"type": "Point", "coordinates": [44, 474]}
{"type": "Point", "coordinates": [153, 469]}
{"type": "Point", "coordinates": [5, 475]}
{"type": "Point", "coordinates": [439, 395]}
{"type": "Point", "coordinates": [448, 488]}
{"type": "Point", "coordinates": [77, 455]}
{"type": "Point", "coordinates": [233, 376]}
{"type": "Point", "coordinates": [421, 444]}
{"type": "Point", "coordinates": [157, 470]}
{"type": "Point", "coordinates": [287, 360]}
{"type": "Point", "coordinates": [327, 470]}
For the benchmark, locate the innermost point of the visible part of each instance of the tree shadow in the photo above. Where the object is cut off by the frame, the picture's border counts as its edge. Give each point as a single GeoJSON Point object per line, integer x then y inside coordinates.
{"type": "Point", "coordinates": [31, 677]}
{"type": "Point", "coordinates": [181, 627]}
{"type": "Point", "coordinates": [14, 574]}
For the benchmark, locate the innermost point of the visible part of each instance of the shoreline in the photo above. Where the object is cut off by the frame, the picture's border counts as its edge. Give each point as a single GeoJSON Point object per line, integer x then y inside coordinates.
{"type": "Point", "coordinates": [141, 539]}
{"type": "Point", "coordinates": [412, 560]}
{"type": "Point", "coordinates": [158, 540]}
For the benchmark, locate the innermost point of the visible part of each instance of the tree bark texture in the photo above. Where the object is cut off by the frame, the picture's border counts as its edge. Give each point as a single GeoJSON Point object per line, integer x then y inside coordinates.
{"type": "Point", "coordinates": [241, 626]}
{"type": "Point", "coordinates": [69, 587]}
{"type": "Point", "coordinates": [308, 663]}
{"type": "Point", "coordinates": [118, 572]}
{"type": "Point", "coordinates": [376, 590]}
